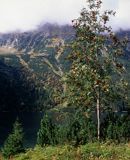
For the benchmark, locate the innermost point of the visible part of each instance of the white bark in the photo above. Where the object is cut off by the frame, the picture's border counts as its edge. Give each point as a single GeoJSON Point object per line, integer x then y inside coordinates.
{"type": "Point", "coordinates": [98, 115]}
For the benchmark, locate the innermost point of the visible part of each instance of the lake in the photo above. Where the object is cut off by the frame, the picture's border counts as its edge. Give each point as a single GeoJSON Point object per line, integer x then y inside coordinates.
{"type": "Point", "coordinates": [30, 123]}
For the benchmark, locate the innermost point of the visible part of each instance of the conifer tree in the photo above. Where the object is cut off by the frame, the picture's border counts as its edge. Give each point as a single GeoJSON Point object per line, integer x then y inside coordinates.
{"type": "Point", "coordinates": [46, 134]}
{"type": "Point", "coordinates": [14, 143]}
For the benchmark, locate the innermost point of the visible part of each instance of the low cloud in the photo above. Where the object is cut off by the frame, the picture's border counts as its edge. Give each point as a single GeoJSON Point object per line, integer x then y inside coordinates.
{"type": "Point", "coordinates": [28, 14]}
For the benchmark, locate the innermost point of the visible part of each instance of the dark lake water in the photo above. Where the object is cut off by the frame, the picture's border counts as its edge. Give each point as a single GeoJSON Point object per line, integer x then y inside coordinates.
{"type": "Point", "coordinates": [30, 123]}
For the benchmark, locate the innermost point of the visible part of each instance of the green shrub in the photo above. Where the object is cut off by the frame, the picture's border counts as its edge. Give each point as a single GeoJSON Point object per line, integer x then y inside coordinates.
{"type": "Point", "coordinates": [82, 129]}
{"type": "Point", "coordinates": [62, 134]}
{"type": "Point", "coordinates": [116, 127]}
{"type": "Point", "coordinates": [14, 143]}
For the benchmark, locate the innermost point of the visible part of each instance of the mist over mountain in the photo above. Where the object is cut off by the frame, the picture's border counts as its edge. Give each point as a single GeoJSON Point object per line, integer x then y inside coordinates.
{"type": "Point", "coordinates": [40, 38]}
{"type": "Point", "coordinates": [26, 15]}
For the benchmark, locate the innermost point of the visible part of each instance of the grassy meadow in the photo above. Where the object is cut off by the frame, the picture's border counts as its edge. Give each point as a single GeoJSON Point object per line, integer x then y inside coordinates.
{"type": "Point", "coordinates": [90, 151]}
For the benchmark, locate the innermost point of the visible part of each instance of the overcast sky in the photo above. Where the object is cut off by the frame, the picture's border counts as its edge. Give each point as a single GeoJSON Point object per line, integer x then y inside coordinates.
{"type": "Point", "coordinates": [27, 14]}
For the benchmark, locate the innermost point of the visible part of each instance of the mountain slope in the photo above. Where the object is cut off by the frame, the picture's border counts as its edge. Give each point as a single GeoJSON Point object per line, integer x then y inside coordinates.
{"type": "Point", "coordinates": [41, 53]}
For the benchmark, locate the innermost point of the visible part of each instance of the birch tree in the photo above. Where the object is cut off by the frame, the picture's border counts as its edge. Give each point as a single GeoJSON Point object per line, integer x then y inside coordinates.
{"type": "Point", "coordinates": [95, 79]}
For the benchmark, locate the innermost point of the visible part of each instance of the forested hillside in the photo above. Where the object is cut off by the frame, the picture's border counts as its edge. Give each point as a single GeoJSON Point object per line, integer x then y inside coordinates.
{"type": "Point", "coordinates": [41, 55]}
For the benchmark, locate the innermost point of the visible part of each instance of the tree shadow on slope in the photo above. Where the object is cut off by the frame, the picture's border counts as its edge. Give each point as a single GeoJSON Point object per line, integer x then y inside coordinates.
{"type": "Point", "coordinates": [17, 92]}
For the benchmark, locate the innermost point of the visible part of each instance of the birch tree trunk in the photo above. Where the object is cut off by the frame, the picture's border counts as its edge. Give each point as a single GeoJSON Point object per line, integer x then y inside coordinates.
{"type": "Point", "coordinates": [98, 115]}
